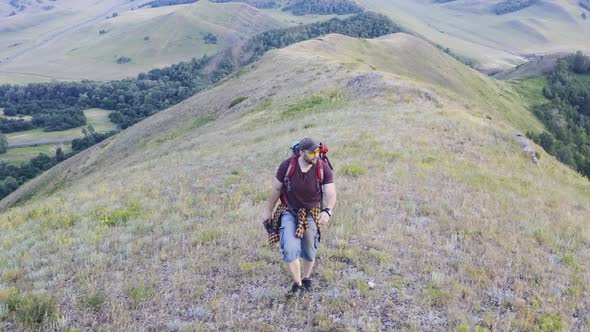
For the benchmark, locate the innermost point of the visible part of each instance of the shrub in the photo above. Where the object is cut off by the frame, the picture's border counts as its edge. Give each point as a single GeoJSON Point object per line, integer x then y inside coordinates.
{"type": "Point", "coordinates": [123, 59]}
{"type": "Point", "coordinates": [141, 292]}
{"type": "Point", "coordinates": [237, 101]}
{"type": "Point", "coordinates": [32, 309]}
{"type": "Point", "coordinates": [93, 301]}
{"type": "Point", "coordinates": [209, 38]}
{"type": "Point", "coordinates": [118, 216]}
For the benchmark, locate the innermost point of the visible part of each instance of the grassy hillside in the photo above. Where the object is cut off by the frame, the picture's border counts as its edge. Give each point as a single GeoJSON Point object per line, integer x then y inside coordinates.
{"type": "Point", "coordinates": [150, 37]}
{"type": "Point", "coordinates": [438, 207]}
{"type": "Point", "coordinates": [471, 28]}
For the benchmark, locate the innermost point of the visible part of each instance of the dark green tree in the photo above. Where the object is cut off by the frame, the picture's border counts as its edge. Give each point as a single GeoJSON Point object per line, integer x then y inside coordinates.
{"type": "Point", "coordinates": [3, 143]}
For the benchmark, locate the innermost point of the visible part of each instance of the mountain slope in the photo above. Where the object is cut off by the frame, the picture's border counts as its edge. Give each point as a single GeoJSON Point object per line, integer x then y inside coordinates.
{"type": "Point", "coordinates": [438, 206]}
{"type": "Point", "coordinates": [150, 37]}
{"type": "Point", "coordinates": [471, 28]}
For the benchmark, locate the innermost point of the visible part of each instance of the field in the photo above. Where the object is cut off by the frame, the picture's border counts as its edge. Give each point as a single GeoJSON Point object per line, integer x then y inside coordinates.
{"type": "Point", "coordinates": [442, 222]}
{"type": "Point", "coordinates": [98, 118]}
{"type": "Point", "coordinates": [150, 37]}
{"type": "Point", "coordinates": [15, 156]}
{"type": "Point", "coordinates": [470, 28]}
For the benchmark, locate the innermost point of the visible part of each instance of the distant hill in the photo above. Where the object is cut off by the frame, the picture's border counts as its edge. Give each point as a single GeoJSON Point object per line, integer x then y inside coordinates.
{"type": "Point", "coordinates": [135, 41]}
{"type": "Point", "coordinates": [438, 207]}
{"type": "Point", "coordinates": [147, 38]}
{"type": "Point", "coordinates": [472, 29]}
{"type": "Point", "coordinates": [540, 65]}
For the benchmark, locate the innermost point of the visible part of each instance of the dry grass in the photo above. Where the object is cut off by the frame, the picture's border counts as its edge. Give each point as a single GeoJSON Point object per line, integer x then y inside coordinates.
{"type": "Point", "coordinates": [438, 208]}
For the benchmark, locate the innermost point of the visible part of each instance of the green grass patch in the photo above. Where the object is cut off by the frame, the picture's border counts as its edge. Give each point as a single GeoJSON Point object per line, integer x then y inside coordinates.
{"type": "Point", "coordinates": [210, 237]}
{"type": "Point", "coordinates": [117, 216]}
{"type": "Point", "coordinates": [11, 276]}
{"type": "Point", "coordinates": [352, 170]}
{"type": "Point", "coordinates": [548, 322]}
{"type": "Point", "coordinates": [361, 285]}
{"type": "Point", "coordinates": [93, 301]}
{"type": "Point", "coordinates": [201, 121]}
{"type": "Point", "coordinates": [140, 292]}
{"type": "Point", "coordinates": [16, 155]}
{"type": "Point", "coordinates": [98, 118]}
{"type": "Point", "coordinates": [29, 309]}
{"type": "Point", "coordinates": [313, 104]}
{"type": "Point", "coordinates": [437, 297]}
{"type": "Point", "coordinates": [531, 89]}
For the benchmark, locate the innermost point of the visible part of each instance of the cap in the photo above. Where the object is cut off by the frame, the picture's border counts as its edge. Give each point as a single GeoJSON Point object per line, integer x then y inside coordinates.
{"type": "Point", "coordinates": [308, 144]}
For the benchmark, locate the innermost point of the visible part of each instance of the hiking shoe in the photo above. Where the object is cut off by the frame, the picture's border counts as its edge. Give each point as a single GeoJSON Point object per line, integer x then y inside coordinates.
{"type": "Point", "coordinates": [295, 291]}
{"type": "Point", "coordinates": [306, 283]}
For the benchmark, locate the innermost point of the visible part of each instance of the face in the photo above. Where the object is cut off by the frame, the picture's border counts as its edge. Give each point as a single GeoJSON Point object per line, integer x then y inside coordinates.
{"type": "Point", "coordinates": [311, 157]}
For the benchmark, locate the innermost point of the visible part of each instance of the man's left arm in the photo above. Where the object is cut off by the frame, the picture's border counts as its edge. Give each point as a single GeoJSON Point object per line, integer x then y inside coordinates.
{"type": "Point", "coordinates": [330, 193]}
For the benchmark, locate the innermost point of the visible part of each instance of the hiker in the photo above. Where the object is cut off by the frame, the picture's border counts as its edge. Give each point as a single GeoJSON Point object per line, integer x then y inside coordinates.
{"type": "Point", "coordinates": [301, 183]}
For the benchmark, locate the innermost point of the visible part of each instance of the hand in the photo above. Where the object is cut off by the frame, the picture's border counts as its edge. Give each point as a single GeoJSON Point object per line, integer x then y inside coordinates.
{"type": "Point", "coordinates": [324, 218]}
{"type": "Point", "coordinates": [266, 216]}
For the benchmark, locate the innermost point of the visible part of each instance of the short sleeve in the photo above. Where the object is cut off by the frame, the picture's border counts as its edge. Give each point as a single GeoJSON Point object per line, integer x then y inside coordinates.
{"type": "Point", "coordinates": [282, 170]}
{"type": "Point", "coordinates": [328, 175]}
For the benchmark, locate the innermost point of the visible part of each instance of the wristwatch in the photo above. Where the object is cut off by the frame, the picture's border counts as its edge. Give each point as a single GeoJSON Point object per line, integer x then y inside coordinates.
{"type": "Point", "coordinates": [328, 211]}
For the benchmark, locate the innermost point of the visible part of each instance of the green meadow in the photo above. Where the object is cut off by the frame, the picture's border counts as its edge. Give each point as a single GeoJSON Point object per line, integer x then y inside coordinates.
{"type": "Point", "coordinates": [98, 118]}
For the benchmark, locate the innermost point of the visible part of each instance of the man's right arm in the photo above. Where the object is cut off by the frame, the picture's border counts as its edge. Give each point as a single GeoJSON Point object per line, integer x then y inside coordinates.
{"type": "Point", "coordinates": [275, 193]}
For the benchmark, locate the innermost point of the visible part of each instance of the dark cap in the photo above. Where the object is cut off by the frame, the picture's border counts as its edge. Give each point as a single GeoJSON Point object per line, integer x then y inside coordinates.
{"type": "Point", "coordinates": [308, 144]}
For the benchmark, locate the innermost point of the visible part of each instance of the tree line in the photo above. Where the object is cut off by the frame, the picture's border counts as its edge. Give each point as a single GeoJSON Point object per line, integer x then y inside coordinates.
{"type": "Point", "coordinates": [162, 3]}
{"type": "Point", "coordinates": [253, 3]}
{"type": "Point", "coordinates": [363, 25]}
{"type": "Point", "coordinates": [510, 6]}
{"type": "Point", "coordinates": [323, 7]}
{"type": "Point", "coordinates": [567, 115]}
{"type": "Point", "coordinates": [12, 177]}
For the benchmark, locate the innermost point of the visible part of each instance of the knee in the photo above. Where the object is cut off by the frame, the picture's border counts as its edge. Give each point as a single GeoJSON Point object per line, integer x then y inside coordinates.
{"type": "Point", "coordinates": [290, 252]}
{"type": "Point", "coordinates": [290, 246]}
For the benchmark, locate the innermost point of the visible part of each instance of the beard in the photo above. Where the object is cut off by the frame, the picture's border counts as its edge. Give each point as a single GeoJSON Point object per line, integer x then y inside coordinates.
{"type": "Point", "coordinates": [310, 160]}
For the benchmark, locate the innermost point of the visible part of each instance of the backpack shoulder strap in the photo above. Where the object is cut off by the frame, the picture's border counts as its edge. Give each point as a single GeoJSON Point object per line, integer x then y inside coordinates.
{"type": "Point", "coordinates": [290, 171]}
{"type": "Point", "coordinates": [291, 168]}
{"type": "Point", "coordinates": [320, 168]}
{"type": "Point", "coordinates": [286, 181]}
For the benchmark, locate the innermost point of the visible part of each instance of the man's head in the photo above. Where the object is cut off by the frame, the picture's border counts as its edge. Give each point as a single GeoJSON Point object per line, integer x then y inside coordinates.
{"type": "Point", "coordinates": [309, 149]}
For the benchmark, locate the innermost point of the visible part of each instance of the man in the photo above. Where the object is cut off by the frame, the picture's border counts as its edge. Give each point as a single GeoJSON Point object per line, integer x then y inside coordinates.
{"type": "Point", "coordinates": [300, 216]}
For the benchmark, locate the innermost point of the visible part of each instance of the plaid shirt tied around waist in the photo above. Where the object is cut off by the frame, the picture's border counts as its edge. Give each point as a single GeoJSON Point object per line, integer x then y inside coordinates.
{"type": "Point", "coordinates": [273, 226]}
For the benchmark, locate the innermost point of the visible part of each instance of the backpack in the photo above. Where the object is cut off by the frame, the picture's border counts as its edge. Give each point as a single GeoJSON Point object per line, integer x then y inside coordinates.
{"type": "Point", "coordinates": [322, 162]}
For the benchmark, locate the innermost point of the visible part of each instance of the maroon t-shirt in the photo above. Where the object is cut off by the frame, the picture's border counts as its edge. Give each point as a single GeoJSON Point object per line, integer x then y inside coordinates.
{"type": "Point", "coordinates": [304, 189]}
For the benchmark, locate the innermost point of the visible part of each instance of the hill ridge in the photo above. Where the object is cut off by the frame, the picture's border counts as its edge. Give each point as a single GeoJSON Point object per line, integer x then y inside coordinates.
{"type": "Point", "coordinates": [438, 208]}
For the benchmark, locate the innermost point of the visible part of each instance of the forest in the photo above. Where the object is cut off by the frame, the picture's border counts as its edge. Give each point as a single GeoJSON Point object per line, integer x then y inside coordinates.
{"type": "Point", "coordinates": [567, 115]}
{"type": "Point", "coordinates": [510, 6]}
{"type": "Point", "coordinates": [323, 7]}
